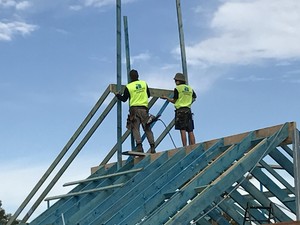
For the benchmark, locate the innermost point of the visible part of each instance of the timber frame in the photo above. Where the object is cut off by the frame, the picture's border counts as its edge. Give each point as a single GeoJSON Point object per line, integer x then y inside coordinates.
{"type": "Point", "coordinates": [216, 180]}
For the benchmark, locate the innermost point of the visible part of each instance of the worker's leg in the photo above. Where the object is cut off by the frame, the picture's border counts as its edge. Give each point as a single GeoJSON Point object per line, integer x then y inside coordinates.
{"type": "Point", "coordinates": [150, 137]}
{"type": "Point", "coordinates": [191, 138]}
{"type": "Point", "coordinates": [183, 137]}
{"type": "Point", "coordinates": [143, 114]}
{"type": "Point", "coordinates": [190, 128]}
{"type": "Point", "coordinates": [137, 136]}
{"type": "Point", "coordinates": [135, 129]}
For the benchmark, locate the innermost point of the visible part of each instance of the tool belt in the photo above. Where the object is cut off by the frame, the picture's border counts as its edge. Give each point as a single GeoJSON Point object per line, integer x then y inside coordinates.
{"type": "Point", "coordinates": [132, 116]}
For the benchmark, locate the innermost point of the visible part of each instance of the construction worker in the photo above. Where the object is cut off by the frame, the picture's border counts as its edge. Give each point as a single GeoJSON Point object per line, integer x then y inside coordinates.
{"type": "Point", "coordinates": [138, 93]}
{"type": "Point", "coordinates": [182, 99]}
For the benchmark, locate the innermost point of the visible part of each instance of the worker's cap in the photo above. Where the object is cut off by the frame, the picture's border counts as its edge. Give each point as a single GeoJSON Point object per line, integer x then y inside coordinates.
{"type": "Point", "coordinates": [134, 75]}
{"type": "Point", "coordinates": [179, 77]}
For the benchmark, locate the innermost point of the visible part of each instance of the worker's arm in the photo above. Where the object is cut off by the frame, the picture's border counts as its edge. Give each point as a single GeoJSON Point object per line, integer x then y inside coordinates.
{"type": "Point", "coordinates": [194, 96]}
{"type": "Point", "coordinates": [148, 92]}
{"type": "Point", "coordinates": [123, 97]}
{"type": "Point", "coordinates": [172, 100]}
{"type": "Point", "coordinates": [168, 99]}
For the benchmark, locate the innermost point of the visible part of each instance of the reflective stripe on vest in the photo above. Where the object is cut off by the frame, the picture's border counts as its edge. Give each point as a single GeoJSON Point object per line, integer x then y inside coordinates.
{"type": "Point", "coordinates": [138, 93]}
{"type": "Point", "coordinates": [185, 96]}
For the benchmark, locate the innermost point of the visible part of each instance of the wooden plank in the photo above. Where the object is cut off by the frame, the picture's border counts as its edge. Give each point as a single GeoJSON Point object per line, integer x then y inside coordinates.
{"type": "Point", "coordinates": [232, 210]}
{"type": "Point", "coordinates": [225, 159]}
{"type": "Point", "coordinates": [263, 198]}
{"type": "Point", "coordinates": [170, 179]}
{"type": "Point", "coordinates": [274, 188]}
{"type": "Point", "coordinates": [94, 169]}
{"type": "Point", "coordinates": [69, 209]}
{"type": "Point", "coordinates": [134, 153]}
{"type": "Point", "coordinates": [286, 223]}
{"type": "Point", "coordinates": [216, 215]}
{"type": "Point", "coordinates": [260, 133]}
{"type": "Point", "coordinates": [283, 161]}
{"type": "Point", "coordinates": [226, 180]}
{"type": "Point", "coordinates": [200, 189]}
{"type": "Point", "coordinates": [103, 177]}
{"type": "Point", "coordinates": [243, 202]}
{"type": "Point", "coordinates": [110, 206]}
{"type": "Point", "coordinates": [85, 192]}
{"type": "Point", "coordinates": [90, 203]}
{"type": "Point", "coordinates": [279, 177]}
{"type": "Point", "coordinates": [61, 205]}
{"type": "Point", "coordinates": [154, 92]}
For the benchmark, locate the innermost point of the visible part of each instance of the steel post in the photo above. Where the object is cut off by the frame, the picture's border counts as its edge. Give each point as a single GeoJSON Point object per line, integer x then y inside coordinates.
{"type": "Point", "coordinates": [119, 70]}
{"type": "Point", "coordinates": [296, 152]}
{"type": "Point", "coordinates": [181, 39]}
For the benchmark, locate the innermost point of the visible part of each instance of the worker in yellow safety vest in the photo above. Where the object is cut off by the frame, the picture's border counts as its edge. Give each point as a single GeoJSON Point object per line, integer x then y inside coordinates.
{"type": "Point", "coordinates": [182, 99]}
{"type": "Point", "coordinates": [137, 92]}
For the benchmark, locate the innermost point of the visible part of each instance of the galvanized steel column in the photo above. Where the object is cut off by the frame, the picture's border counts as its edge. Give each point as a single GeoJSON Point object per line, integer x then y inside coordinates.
{"type": "Point", "coordinates": [296, 153]}
{"type": "Point", "coordinates": [181, 39]}
{"type": "Point", "coordinates": [119, 71]}
{"type": "Point", "coordinates": [127, 50]}
{"type": "Point", "coordinates": [128, 64]}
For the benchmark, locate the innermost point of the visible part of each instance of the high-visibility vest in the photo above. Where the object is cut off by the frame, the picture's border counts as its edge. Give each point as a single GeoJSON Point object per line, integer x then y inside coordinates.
{"type": "Point", "coordinates": [138, 93]}
{"type": "Point", "coordinates": [185, 96]}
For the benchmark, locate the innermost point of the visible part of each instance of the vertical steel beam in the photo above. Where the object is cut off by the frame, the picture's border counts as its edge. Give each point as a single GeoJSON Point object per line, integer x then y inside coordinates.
{"type": "Point", "coordinates": [296, 150]}
{"type": "Point", "coordinates": [119, 70]}
{"type": "Point", "coordinates": [181, 39]}
{"type": "Point", "coordinates": [128, 64]}
{"type": "Point", "coordinates": [127, 50]}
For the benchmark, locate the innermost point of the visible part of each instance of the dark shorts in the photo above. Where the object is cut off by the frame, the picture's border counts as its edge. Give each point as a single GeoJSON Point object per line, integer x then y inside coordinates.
{"type": "Point", "coordinates": [184, 119]}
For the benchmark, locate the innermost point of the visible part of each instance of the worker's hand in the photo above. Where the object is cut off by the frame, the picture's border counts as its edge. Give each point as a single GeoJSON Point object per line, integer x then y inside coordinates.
{"type": "Point", "coordinates": [164, 97]}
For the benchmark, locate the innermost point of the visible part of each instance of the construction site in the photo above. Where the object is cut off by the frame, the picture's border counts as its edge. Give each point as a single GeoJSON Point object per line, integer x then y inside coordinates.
{"type": "Point", "coordinates": [242, 179]}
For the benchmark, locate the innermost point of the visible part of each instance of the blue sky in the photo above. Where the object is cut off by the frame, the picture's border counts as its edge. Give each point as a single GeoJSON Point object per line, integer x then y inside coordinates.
{"type": "Point", "coordinates": [57, 58]}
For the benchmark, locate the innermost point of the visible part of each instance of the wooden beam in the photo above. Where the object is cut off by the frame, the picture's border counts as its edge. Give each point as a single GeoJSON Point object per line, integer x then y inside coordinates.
{"type": "Point", "coordinates": [260, 134]}
{"type": "Point", "coordinates": [85, 192]}
{"type": "Point", "coordinates": [103, 177]}
{"type": "Point", "coordinates": [133, 153]}
{"type": "Point", "coordinates": [154, 92]}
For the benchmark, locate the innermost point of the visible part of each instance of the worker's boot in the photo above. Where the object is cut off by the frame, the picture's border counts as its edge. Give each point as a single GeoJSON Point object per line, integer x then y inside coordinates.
{"type": "Point", "coordinates": [152, 148]}
{"type": "Point", "coordinates": [139, 147]}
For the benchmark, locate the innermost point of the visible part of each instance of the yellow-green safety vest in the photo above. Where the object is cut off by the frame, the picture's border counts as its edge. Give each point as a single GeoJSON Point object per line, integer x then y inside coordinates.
{"type": "Point", "coordinates": [138, 93]}
{"type": "Point", "coordinates": [185, 96]}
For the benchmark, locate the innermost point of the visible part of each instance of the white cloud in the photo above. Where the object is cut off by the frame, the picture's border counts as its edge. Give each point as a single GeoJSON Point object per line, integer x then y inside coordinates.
{"type": "Point", "coordinates": [248, 31]}
{"type": "Point", "coordinates": [7, 3]}
{"type": "Point", "coordinates": [140, 57]}
{"type": "Point", "coordinates": [16, 173]}
{"type": "Point", "coordinates": [75, 7]}
{"type": "Point", "coordinates": [11, 29]}
{"type": "Point", "coordinates": [15, 4]}
{"type": "Point", "coordinates": [23, 5]}
{"type": "Point", "coordinates": [251, 78]}
{"type": "Point", "coordinates": [292, 76]}
{"type": "Point", "coordinates": [101, 3]}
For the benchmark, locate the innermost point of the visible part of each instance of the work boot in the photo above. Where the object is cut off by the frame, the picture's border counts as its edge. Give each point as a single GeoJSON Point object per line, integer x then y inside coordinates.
{"type": "Point", "coordinates": [139, 148]}
{"type": "Point", "coordinates": [152, 148]}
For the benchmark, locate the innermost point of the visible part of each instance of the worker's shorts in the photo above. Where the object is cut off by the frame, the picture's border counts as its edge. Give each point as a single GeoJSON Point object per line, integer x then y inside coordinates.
{"type": "Point", "coordinates": [184, 119]}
